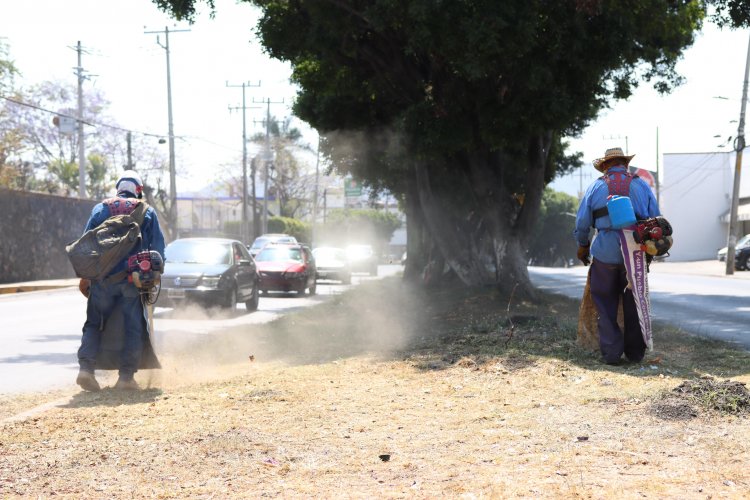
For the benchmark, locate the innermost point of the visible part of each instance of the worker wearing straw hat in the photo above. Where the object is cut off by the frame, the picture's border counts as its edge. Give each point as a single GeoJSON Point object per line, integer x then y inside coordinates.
{"type": "Point", "coordinates": [609, 278]}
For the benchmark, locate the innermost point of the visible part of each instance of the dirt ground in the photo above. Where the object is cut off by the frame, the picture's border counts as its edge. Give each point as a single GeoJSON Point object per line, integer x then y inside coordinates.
{"type": "Point", "coordinates": [391, 392]}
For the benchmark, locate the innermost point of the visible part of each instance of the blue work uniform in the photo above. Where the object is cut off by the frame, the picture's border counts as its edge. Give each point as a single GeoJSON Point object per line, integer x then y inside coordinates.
{"type": "Point", "coordinates": [104, 296]}
{"type": "Point", "coordinates": [608, 277]}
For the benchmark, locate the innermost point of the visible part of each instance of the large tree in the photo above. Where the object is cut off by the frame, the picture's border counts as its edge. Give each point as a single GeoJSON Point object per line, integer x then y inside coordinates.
{"type": "Point", "coordinates": [461, 107]}
{"type": "Point", "coordinates": [11, 137]}
{"type": "Point", "coordinates": [290, 178]}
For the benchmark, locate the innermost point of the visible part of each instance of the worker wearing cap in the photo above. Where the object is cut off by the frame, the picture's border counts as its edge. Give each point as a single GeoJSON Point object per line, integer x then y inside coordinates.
{"type": "Point", "coordinates": [104, 295]}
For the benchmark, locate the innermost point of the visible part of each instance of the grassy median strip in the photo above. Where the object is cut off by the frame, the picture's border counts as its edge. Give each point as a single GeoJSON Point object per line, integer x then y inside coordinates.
{"type": "Point", "coordinates": [391, 391]}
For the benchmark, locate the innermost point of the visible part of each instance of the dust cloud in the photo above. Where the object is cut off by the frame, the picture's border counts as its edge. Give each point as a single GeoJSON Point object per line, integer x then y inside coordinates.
{"type": "Point", "coordinates": [377, 318]}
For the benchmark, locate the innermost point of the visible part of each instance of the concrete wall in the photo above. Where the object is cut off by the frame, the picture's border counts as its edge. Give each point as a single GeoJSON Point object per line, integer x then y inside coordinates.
{"type": "Point", "coordinates": [695, 193]}
{"type": "Point", "coordinates": [34, 229]}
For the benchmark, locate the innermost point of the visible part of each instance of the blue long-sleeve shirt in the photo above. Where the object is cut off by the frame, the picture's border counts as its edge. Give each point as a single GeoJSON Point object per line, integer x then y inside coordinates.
{"type": "Point", "coordinates": [151, 236]}
{"type": "Point", "coordinates": [606, 245]}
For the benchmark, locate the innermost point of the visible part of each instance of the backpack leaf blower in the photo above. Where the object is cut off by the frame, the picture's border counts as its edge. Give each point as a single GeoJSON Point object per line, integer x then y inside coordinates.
{"type": "Point", "coordinates": [654, 235]}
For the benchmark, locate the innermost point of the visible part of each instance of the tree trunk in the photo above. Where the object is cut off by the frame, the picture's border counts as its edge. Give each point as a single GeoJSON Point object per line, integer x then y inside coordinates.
{"type": "Point", "coordinates": [484, 241]}
{"type": "Point", "coordinates": [418, 241]}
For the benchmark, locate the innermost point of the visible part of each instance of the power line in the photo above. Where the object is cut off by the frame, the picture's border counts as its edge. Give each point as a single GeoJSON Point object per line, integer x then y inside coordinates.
{"type": "Point", "coordinates": [85, 122]}
{"type": "Point", "coordinates": [244, 108]}
{"type": "Point", "coordinates": [698, 169]}
{"type": "Point", "coordinates": [172, 169]}
{"type": "Point", "coordinates": [96, 124]}
{"type": "Point", "coordinates": [79, 126]}
{"type": "Point", "coordinates": [268, 157]}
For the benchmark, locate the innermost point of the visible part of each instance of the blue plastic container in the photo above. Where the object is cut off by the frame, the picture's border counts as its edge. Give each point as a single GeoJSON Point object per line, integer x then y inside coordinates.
{"type": "Point", "coordinates": [621, 213]}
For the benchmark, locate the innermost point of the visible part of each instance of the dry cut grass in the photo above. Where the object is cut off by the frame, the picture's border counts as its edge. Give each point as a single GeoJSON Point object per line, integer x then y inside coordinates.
{"type": "Point", "coordinates": [392, 392]}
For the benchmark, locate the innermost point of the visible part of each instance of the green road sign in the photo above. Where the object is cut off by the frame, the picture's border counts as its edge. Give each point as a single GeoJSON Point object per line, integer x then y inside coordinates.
{"type": "Point", "coordinates": [352, 188]}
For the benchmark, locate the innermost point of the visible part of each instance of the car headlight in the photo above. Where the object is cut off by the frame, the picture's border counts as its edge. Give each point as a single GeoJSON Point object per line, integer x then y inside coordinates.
{"type": "Point", "coordinates": [210, 282]}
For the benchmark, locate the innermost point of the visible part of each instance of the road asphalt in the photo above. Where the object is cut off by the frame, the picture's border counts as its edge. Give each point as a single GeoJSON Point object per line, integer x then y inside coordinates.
{"type": "Point", "coordinates": [701, 267]}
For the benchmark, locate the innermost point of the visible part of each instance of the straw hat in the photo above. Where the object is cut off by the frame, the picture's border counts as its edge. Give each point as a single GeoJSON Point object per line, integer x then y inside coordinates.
{"type": "Point", "coordinates": [609, 157]}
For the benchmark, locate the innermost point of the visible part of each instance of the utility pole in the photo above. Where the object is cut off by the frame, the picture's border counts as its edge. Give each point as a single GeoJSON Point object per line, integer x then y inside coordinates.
{"type": "Point", "coordinates": [172, 175]}
{"type": "Point", "coordinates": [580, 182]}
{"type": "Point", "coordinates": [657, 166]}
{"type": "Point", "coordinates": [619, 137]}
{"type": "Point", "coordinates": [268, 157]}
{"type": "Point", "coordinates": [739, 146]}
{"type": "Point", "coordinates": [129, 138]}
{"type": "Point", "coordinates": [81, 147]}
{"type": "Point", "coordinates": [256, 220]}
{"type": "Point", "coordinates": [245, 229]}
{"type": "Point", "coordinates": [315, 193]}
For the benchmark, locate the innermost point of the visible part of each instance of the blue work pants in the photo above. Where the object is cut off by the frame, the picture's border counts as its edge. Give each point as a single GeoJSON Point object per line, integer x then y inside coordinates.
{"type": "Point", "coordinates": [101, 302]}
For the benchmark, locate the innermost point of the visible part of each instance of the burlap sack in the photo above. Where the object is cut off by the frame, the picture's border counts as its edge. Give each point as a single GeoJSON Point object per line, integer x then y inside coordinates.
{"type": "Point", "coordinates": [588, 331]}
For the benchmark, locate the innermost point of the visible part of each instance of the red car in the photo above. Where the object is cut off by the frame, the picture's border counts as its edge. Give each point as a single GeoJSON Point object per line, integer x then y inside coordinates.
{"type": "Point", "coordinates": [286, 268]}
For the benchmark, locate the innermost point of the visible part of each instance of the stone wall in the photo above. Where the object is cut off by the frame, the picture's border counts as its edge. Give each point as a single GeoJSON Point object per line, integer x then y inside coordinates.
{"type": "Point", "coordinates": [34, 229]}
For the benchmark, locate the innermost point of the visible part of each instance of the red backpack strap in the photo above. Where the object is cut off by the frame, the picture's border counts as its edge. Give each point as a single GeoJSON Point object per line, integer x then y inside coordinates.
{"type": "Point", "coordinates": [618, 183]}
{"type": "Point", "coordinates": [121, 206]}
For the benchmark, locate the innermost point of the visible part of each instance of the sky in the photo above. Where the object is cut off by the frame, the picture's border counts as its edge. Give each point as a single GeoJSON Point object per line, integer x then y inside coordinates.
{"type": "Point", "coordinates": [130, 68]}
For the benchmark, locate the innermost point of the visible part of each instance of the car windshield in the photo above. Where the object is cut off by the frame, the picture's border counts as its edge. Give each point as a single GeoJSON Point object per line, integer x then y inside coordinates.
{"type": "Point", "coordinates": [261, 241]}
{"type": "Point", "coordinates": [329, 254]}
{"type": "Point", "coordinates": [276, 254]}
{"type": "Point", "coordinates": [198, 252]}
{"type": "Point", "coordinates": [744, 241]}
{"type": "Point", "coordinates": [359, 251]}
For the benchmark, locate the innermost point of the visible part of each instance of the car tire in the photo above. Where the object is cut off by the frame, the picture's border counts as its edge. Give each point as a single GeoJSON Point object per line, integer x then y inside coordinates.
{"type": "Point", "coordinates": [231, 302]}
{"type": "Point", "coordinates": [252, 304]}
{"type": "Point", "coordinates": [741, 264]}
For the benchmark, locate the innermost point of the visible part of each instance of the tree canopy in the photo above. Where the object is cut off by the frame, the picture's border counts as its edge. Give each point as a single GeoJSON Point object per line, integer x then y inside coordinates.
{"type": "Point", "coordinates": [461, 107]}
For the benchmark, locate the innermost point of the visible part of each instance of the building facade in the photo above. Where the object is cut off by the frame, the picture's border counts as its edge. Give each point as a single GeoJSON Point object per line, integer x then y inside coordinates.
{"type": "Point", "coordinates": [696, 196]}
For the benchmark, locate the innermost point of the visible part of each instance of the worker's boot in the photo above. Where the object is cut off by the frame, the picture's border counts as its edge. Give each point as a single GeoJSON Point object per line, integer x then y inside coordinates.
{"type": "Point", "coordinates": [127, 384]}
{"type": "Point", "coordinates": [87, 381]}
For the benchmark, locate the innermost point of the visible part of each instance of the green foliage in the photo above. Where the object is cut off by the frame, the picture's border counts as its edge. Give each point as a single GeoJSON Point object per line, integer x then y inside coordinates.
{"type": "Point", "coordinates": [462, 75]}
{"type": "Point", "coordinates": [233, 229]}
{"type": "Point", "coordinates": [293, 227]}
{"type": "Point", "coordinates": [66, 172]}
{"type": "Point", "coordinates": [99, 180]}
{"type": "Point", "coordinates": [346, 226]}
{"type": "Point", "coordinates": [461, 108]}
{"type": "Point", "coordinates": [288, 179]}
{"type": "Point", "coordinates": [7, 69]}
{"type": "Point", "coordinates": [732, 13]}
{"type": "Point", "coordinates": [552, 242]}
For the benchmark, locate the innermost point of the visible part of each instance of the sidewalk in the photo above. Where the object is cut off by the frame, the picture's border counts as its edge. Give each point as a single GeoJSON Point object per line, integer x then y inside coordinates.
{"type": "Point", "coordinates": [33, 286]}
{"type": "Point", "coordinates": [699, 267]}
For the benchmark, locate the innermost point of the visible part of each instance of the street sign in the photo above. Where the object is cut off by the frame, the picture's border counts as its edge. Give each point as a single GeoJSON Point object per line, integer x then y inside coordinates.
{"type": "Point", "coordinates": [66, 124]}
{"type": "Point", "coordinates": [352, 188]}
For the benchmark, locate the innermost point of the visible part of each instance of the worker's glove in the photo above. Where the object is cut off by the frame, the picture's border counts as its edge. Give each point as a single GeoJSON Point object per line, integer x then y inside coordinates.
{"type": "Point", "coordinates": [583, 254]}
{"type": "Point", "coordinates": [85, 287]}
